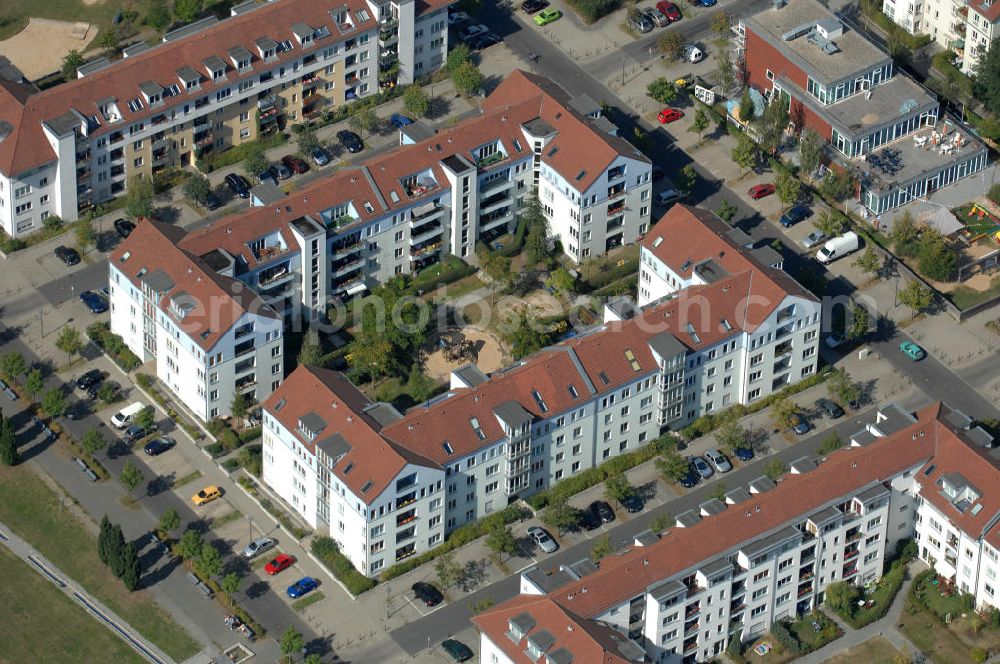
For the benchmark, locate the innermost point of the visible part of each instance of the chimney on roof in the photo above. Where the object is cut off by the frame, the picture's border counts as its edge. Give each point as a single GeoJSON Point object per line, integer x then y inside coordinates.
{"type": "Point", "coordinates": [229, 230]}
{"type": "Point", "coordinates": [503, 118]}
{"type": "Point", "coordinates": [189, 269]}
{"type": "Point", "coordinates": [353, 179]}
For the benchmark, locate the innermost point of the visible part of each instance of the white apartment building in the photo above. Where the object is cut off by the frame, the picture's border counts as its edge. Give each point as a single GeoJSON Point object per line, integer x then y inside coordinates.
{"type": "Point", "coordinates": [767, 552]}
{"type": "Point", "coordinates": [439, 194]}
{"type": "Point", "coordinates": [504, 436]}
{"type": "Point", "coordinates": [209, 336]}
{"type": "Point", "coordinates": [965, 27]}
{"type": "Point", "coordinates": [208, 86]}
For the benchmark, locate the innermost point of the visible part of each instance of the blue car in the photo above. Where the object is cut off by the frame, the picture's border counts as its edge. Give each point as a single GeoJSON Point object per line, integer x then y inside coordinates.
{"type": "Point", "coordinates": [399, 121]}
{"type": "Point", "coordinates": [302, 587]}
{"type": "Point", "coordinates": [794, 216]}
{"type": "Point", "coordinates": [94, 302]}
{"type": "Point", "coordinates": [743, 453]}
{"type": "Point", "coordinates": [706, 3]}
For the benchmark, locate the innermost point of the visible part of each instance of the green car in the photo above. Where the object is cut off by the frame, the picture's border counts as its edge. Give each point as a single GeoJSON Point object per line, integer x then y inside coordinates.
{"type": "Point", "coordinates": [546, 16]}
{"type": "Point", "coordinates": [912, 351]}
{"type": "Point", "coordinates": [458, 650]}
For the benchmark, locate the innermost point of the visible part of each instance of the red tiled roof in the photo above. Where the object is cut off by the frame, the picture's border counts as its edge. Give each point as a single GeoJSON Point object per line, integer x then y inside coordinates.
{"type": "Point", "coordinates": [988, 10]}
{"type": "Point", "coordinates": [623, 577]}
{"type": "Point", "coordinates": [339, 404]}
{"type": "Point", "coordinates": [233, 232]}
{"type": "Point", "coordinates": [685, 236]}
{"type": "Point", "coordinates": [219, 301]}
{"type": "Point", "coordinates": [584, 151]}
{"type": "Point", "coordinates": [425, 428]}
{"type": "Point", "coordinates": [160, 64]}
{"type": "Point", "coordinates": [22, 143]}
{"type": "Point", "coordinates": [587, 641]}
{"type": "Point", "coordinates": [976, 467]}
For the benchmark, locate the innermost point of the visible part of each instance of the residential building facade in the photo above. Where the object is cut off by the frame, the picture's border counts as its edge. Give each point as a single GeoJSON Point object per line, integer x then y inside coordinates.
{"type": "Point", "coordinates": [207, 87]}
{"type": "Point", "coordinates": [769, 551]}
{"type": "Point", "coordinates": [500, 437]}
{"type": "Point", "coordinates": [210, 337]}
{"type": "Point", "coordinates": [966, 28]}
{"type": "Point", "coordinates": [438, 195]}
{"type": "Point", "coordinates": [879, 123]}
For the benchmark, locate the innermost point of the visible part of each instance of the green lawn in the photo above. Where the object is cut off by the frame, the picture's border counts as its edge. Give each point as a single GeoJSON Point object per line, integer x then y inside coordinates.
{"type": "Point", "coordinates": [34, 512]}
{"type": "Point", "coordinates": [964, 297]}
{"type": "Point", "coordinates": [945, 643]}
{"type": "Point", "coordinates": [14, 14]}
{"type": "Point", "coordinates": [873, 651]}
{"type": "Point", "coordinates": [32, 606]}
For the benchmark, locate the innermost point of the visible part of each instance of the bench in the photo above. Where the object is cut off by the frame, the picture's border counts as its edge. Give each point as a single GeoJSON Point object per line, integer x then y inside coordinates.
{"type": "Point", "coordinates": [201, 586]}
{"type": "Point", "coordinates": [81, 463]}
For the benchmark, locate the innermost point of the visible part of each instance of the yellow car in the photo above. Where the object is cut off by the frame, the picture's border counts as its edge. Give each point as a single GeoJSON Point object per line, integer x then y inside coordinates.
{"type": "Point", "coordinates": [206, 495]}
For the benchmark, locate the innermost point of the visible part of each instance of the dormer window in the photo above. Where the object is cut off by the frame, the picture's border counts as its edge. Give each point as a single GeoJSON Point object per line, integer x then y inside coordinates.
{"type": "Point", "coordinates": [267, 48]}
{"type": "Point", "coordinates": [109, 109]}
{"type": "Point", "coordinates": [241, 58]}
{"type": "Point", "coordinates": [215, 66]}
{"type": "Point", "coordinates": [189, 78]}
{"type": "Point", "coordinates": [152, 92]}
{"type": "Point", "coordinates": [303, 33]}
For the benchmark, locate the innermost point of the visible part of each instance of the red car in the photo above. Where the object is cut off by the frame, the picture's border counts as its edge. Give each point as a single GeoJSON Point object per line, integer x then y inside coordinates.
{"type": "Point", "coordinates": [759, 191]}
{"type": "Point", "coordinates": [281, 562]}
{"type": "Point", "coordinates": [669, 10]}
{"type": "Point", "coordinates": [294, 164]}
{"type": "Point", "coordinates": [668, 115]}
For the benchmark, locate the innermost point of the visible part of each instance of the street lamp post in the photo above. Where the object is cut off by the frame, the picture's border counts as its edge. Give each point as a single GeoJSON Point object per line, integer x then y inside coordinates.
{"type": "Point", "coordinates": [623, 70]}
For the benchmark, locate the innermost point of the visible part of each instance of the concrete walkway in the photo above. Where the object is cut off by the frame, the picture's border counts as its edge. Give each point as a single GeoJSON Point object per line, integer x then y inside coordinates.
{"type": "Point", "coordinates": [885, 627]}
{"type": "Point", "coordinates": [103, 614]}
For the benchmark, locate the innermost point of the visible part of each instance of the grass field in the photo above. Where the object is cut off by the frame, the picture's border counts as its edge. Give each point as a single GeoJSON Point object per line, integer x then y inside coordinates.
{"type": "Point", "coordinates": [32, 606]}
{"type": "Point", "coordinates": [14, 14]}
{"type": "Point", "coordinates": [34, 512]}
{"type": "Point", "coordinates": [873, 651]}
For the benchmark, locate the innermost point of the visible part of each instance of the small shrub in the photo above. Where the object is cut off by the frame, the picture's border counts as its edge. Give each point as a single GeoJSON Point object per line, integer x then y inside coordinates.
{"type": "Point", "coordinates": [215, 449]}
{"type": "Point", "coordinates": [326, 549]}
{"type": "Point", "coordinates": [230, 465]}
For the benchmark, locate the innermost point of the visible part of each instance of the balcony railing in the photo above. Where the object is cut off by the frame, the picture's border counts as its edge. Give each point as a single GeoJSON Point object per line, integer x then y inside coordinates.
{"type": "Point", "coordinates": [805, 590]}
{"type": "Point", "coordinates": [491, 159]}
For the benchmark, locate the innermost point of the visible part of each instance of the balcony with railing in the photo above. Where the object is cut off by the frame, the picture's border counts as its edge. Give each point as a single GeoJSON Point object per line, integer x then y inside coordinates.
{"type": "Point", "coordinates": [615, 224]}
{"type": "Point", "coordinates": [309, 81]}
{"type": "Point", "coordinates": [425, 211]}
{"type": "Point", "coordinates": [82, 157]}
{"type": "Point", "coordinates": [117, 155]}
{"type": "Point", "coordinates": [490, 159]}
{"type": "Point", "coordinates": [851, 554]}
{"type": "Point", "coordinates": [244, 348]}
{"type": "Point", "coordinates": [425, 249]}
{"type": "Point", "coordinates": [615, 173]}
{"type": "Point", "coordinates": [617, 207]}
{"type": "Point", "coordinates": [346, 266]}
{"type": "Point", "coordinates": [246, 384]}
{"type": "Point", "coordinates": [493, 220]}
{"type": "Point", "coordinates": [426, 232]}
{"type": "Point", "coordinates": [405, 552]}
{"type": "Point", "coordinates": [406, 517]}
{"type": "Point", "coordinates": [692, 610]}
{"type": "Point", "coordinates": [496, 184]}
{"type": "Point", "coordinates": [804, 590]}
{"type": "Point", "coordinates": [418, 184]}
{"type": "Point", "coordinates": [244, 366]}
{"type": "Point", "coordinates": [691, 645]}
{"type": "Point", "coordinates": [616, 190]}
{"type": "Point", "coordinates": [267, 247]}
{"type": "Point", "coordinates": [273, 275]}
{"type": "Point", "coordinates": [737, 604]}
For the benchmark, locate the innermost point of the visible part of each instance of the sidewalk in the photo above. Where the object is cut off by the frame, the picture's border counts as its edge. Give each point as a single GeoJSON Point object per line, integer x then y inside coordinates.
{"type": "Point", "coordinates": [89, 603]}
{"type": "Point", "coordinates": [885, 627]}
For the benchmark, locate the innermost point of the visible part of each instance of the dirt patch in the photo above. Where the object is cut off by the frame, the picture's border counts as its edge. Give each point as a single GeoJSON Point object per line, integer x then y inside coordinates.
{"type": "Point", "coordinates": [38, 50]}
{"type": "Point", "coordinates": [441, 356]}
{"type": "Point", "coordinates": [543, 303]}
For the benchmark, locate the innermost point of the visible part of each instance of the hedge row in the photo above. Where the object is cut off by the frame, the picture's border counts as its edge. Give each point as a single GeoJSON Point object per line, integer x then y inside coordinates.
{"type": "Point", "coordinates": [706, 424]}
{"type": "Point", "coordinates": [460, 537]}
{"type": "Point", "coordinates": [297, 531]}
{"type": "Point", "coordinates": [146, 383]}
{"type": "Point", "coordinates": [881, 599]}
{"type": "Point", "coordinates": [326, 549]}
{"type": "Point", "coordinates": [113, 346]}
{"type": "Point", "coordinates": [569, 487]}
{"type": "Point", "coordinates": [597, 279]}
{"type": "Point", "coordinates": [238, 153]}
{"type": "Point", "coordinates": [592, 10]}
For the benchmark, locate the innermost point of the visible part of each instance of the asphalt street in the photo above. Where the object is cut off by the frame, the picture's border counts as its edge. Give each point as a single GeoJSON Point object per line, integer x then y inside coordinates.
{"type": "Point", "coordinates": [451, 619]}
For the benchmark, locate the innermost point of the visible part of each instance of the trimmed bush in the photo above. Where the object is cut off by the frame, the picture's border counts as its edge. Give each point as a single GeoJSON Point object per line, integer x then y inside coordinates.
{"type": "Point", "coordinates": [113, 346]}
{"type": "Point", "coordinates": [450, 269]}
{"type": "Point", "coordinates": [215, 449]}
{"type": "Point", "coordinates": [326, 549]}
{"type": "Point", "coordinates": [592, 10]}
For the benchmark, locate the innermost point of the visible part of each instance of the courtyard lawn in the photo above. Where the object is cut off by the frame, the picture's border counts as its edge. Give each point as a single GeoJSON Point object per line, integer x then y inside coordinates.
{"type": "Point", "coordinates": [14, 14]}
{"type": "Point", "coordinates": [964, 297]}
{"type": "Point", "coordinates": [34, 512]}
{"type": "Point", "coordinates": [945, 643]}
{"type": "Point", "coordinates": [41, 624]}
{"type": "Point", "coordinates": [876, 650]}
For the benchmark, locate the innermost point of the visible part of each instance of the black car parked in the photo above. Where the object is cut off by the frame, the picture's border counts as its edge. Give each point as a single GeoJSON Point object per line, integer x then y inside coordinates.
{"type": "Point", "coordinates": [427, 593]}
{"type": "Point", "coordinates": [238, 185]}
{"type": "Point", "coordinates": [830, 408]}
{"type": "Point", "coordinates": [603, 511]}
{"type": "Point", "coordinates": [532, 6]}
{"type": "Point", "coordinates": [350, 140]}
{"type": "Point", "coordinates": [633, 503]}
{"type": "Point", "coordinates": [90, 379]}
{"type": "Point", "coordinates": [124, 227]}
{"type": "Point", "coordinates": [67, 255]}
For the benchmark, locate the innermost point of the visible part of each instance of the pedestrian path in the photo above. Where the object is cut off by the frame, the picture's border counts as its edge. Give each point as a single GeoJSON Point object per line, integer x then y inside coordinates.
{"type": "Point", "coordinates": [885, 627]}
{"type": "Point", "coordinates": [87, 602]}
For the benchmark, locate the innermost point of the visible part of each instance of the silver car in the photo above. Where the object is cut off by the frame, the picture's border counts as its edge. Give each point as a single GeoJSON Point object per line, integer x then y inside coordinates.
{"type": "Point", "coordinates": [656, 17]}
{"type": "Point", "coordinates": [719, 461]}
{"type": "Point", "coordinates": [701, 467]}
{"type": "Point", "coordinates": [814, 238]}
{"type": "Point", "coordinates": [258, 546]}
{"type": "Point", "coordinates": [542, 539]}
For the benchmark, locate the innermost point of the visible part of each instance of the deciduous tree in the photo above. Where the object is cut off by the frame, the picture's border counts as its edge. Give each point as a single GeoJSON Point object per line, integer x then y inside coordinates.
{"type": "Point", "coordinates": [69, 341]}
{"type": "Point", "coordinates": [34, 383]}
{"type": "Point", "coordinates": [170, 520]}
{"type": "Point", "coordinates": [662, 90]}
{"type": "Point", "coordinates": [788, 188]}
{"type": "Point", "coordinates": [190, 544]}
{"type": "Point", "coordinates": [869, 262]}
{"type": "Point", "coordinates": [775, 468]}
{"type": "Point", "coordinates": [500, 540]}
{"type": "Point", "coordinates": [745, 152]}
{"type": "Point", "coordinates": [54, 402]}
{"type": "Point", "coordinates": [230, 584]}
{"type": "Point", "coordinates": [672, 466]}
{"type": "Point", "coordinates": [255, 160]}
{"type": "Point", "coordinates": [93, 442]}
{"type": "Point", "coordinates": [617, 488]}
{"type": "Point", "coordinates": [86, 234]}
{"type": "Point", "coordinates": [363, 119]}
{"type": "Point", "coordinates": [731, 436]}
{"type": "Point", "coordinates": [146, 419]}
{"type": "Point", "coordinates": [130, 477]}
{"type": "Point", "coordinates": [841, 387]}
{"type": "Point", "coordinates": [415, 101]}
{"type": "Point", "coordinates": [810, 151]}
{"type": "Point", "coordinates": [831, 223]}
{"type": "Point", "coordinates": [468, 80]}
{"type": "Point", "coordinates": [447, 569]}
{"type": "Point", "coordinates": [671, 44]}
{"type": "Point", "coordinates": [916, 296]}
{"type": "Point", "coordinates": [70, 63]}
{"type": "Point", "coordinates": [782, 412]}
{"type": "Point", "coordinates": [197, 188]}
{"type": "Point", "coordinates": [187, 10]}
{"type": "Point", "coordinates": [602, 548]}
{"type": "Point", "coordinates": [686, 179]}
{"type": "Point", "coordinates": [307, 141]}
{"type": "Point", "coordinates": [699, 123]}
{"type": "Point", "coordinates": [13, 365]}
{"type": "Point", "coordinates": [210, 560]}
{"type": "Point", "coordinates": [138, 200]}
{"type": "Point", "coordinates": [560, 515]}
{"type": "Point", "coordinates": [291, 642]}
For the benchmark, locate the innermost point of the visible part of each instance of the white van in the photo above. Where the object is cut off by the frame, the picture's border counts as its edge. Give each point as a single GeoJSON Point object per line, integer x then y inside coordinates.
{"type": "Point", "coordinates": [838, 247]}
{"type": "Point", "coordinates": [124, 417]}
{"type": "Point", "coordinates": [693, 54]}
